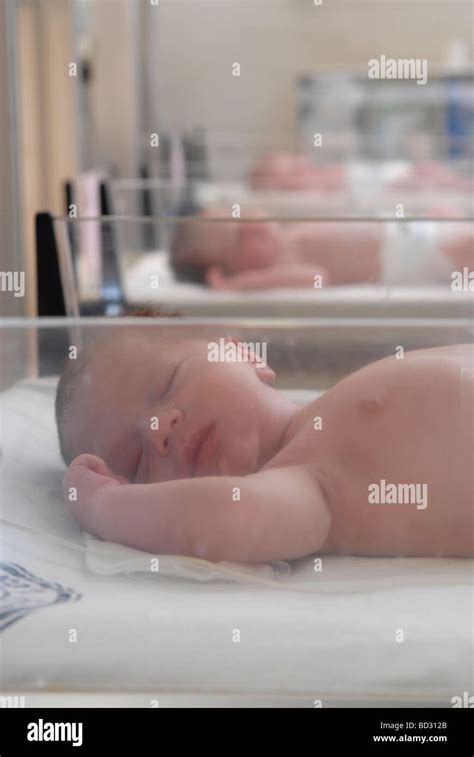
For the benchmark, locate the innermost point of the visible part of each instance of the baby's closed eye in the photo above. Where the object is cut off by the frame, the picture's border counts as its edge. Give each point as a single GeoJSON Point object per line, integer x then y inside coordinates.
{"type": "Point", "coordinates": [173, 374]}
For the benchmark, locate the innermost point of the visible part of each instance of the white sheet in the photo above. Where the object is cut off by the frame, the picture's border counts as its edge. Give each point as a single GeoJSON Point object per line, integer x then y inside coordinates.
{"type": "Point", "coordinates": [327, 635]}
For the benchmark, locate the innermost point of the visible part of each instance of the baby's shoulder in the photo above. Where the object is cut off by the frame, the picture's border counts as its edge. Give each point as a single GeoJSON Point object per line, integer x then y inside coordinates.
{"type": "Point", "coordinates": [296, 446]}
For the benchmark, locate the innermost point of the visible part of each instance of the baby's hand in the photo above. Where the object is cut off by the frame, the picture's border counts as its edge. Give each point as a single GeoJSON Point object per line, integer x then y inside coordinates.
{"type": "Point", "coordinates": [84, 484]}
{"type": "Point", "coordinates": [275, 277]}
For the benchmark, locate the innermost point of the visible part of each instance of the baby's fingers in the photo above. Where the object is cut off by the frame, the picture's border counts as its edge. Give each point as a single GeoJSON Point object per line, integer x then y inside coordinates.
{"type": "Point", "coordinates": [216, 280]}
{"type": "Point", "coordinates": [86, 479]}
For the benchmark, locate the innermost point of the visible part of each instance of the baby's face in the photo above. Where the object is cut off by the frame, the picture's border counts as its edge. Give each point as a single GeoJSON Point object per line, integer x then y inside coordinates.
{"type": "Point", "coordinates": [156, 411]}
{"type": "Point", "coordinates": [234, 245]}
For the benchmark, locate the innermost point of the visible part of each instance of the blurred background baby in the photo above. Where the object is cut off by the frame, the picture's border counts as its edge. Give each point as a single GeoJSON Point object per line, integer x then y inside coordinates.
{"type": "Point", "coordinates": [255, 253]}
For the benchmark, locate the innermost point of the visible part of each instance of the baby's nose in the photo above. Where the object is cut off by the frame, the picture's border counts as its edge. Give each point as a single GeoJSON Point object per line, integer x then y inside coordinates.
{"type": "Point", "coordinates": [166, 427]}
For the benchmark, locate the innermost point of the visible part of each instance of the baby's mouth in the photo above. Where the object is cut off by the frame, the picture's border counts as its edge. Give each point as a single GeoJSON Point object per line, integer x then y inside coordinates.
{"type": "Point", "coordinates": [199, 448]}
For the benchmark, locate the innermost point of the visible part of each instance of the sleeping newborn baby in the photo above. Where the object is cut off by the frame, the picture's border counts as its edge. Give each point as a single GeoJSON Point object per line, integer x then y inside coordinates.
{"type": "Point", "coordinates": [256, 253]}
{"type": "Point", "coordinates": [173, 453]}
{"type": "Point", "coordinates": [296, 172]}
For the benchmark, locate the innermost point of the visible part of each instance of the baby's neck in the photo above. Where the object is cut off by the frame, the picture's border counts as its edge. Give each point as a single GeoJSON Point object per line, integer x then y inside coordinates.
{"type": "Point", "coordinates": [274, 431]}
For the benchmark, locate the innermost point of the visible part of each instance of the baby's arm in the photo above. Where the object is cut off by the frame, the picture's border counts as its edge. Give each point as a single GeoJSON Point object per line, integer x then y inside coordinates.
{"type": "Point", "coordinates": [275, 277]}
{"type": "Point", "coordinates": [460, 249]}
{"type": "Point", "coordinates": [275, 514]}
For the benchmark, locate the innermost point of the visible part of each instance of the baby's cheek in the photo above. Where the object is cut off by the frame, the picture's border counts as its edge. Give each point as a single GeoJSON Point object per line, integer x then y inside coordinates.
{"type": "Point", "coordinates": [258, 245]}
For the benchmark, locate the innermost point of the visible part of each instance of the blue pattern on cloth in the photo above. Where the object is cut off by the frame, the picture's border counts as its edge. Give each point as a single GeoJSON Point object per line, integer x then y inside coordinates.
{"type": "Point", "coordinates": [21, 592]}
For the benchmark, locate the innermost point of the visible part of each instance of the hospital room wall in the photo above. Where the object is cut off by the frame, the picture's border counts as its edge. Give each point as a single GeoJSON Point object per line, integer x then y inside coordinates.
{"type": "Point", "coordinates": [38, 150]}
{"type": "Point", "coordinates": [191, 82]}
{"type": "Point", "coordinates": [10, 223]}
{"type": "Point", "coordinates": [116, 86]}
{"type": "Point", "coordinates": [40, 121]}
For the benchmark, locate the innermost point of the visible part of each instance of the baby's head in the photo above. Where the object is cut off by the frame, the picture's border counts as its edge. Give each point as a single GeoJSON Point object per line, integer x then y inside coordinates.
{"type": "Point", "coordinates": [156, 408]}
{"type": "Point", "coordinates": [282, 171]}
{"type": "Point", "coordinates": [296, 172]}
{"type": "Point", "coordinates": [201, 244]}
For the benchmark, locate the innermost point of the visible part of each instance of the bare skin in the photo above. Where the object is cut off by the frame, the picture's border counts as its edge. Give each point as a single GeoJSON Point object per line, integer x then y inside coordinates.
{"type": "Point", "coordinates": [237, 472]}
{"type": "Point", "coordinates": [295, 172]}
{"type": "Point", "coordinates": [261, 254]}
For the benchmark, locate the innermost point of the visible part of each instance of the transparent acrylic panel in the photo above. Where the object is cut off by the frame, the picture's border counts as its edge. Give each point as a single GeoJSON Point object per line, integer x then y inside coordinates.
{"type": "Point", "coordinates": [153, 197]}
{"type": "Point", "coordinates": [215, 264]}
{"type": "Point", "coordinates": [291, 185]}
{"type": "Point", "coordinates": [386, 134]}
{"type": "Point", "coordinates": [121, 620]}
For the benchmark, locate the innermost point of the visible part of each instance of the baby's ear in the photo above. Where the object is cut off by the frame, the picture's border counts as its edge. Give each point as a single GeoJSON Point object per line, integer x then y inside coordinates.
{"type": "Point", "coordinates": [257, 358]}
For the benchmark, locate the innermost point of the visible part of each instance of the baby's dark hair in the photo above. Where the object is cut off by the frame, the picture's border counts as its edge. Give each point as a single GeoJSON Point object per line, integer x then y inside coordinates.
{"type": "Point", "coordinates": [181, 249]}
{"type": "Point", "coordinates": [73, 371]}
{"type": "Point", "coordinates": [65, 392]}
